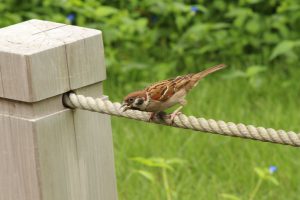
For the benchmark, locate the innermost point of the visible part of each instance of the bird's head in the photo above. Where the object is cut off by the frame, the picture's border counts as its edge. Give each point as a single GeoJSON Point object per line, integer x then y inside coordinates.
{"type": "Point", "coordinates": [135, 101]}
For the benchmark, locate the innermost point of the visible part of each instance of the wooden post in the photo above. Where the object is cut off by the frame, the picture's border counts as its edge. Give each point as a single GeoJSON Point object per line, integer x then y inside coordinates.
{"type": "Point", "coordinates": [48, 152]}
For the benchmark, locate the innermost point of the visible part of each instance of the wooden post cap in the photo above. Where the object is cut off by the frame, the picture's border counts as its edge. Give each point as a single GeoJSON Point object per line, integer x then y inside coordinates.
{"type": "Point", "coordinates": [41, 59]}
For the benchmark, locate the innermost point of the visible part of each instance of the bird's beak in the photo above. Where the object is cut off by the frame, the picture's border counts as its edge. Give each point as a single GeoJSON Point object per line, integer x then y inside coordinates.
{"type": "Point", "coordinates": [124, 107]}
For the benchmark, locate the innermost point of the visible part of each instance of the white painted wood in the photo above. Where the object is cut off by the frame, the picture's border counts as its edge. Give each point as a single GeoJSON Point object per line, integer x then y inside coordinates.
{"type": "Point", "coordinates": [48, 152]}
{"type": "Point", "coordinates": [40, 59]}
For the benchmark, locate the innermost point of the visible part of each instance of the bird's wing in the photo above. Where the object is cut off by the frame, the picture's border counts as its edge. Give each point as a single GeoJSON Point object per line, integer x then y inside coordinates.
{"type": "Point", "coordinates": [163, 90]}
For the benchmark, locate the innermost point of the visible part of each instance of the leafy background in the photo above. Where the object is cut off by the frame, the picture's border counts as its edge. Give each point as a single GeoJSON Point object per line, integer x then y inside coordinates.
{"type": "Point", "coordinates": [149, 40]}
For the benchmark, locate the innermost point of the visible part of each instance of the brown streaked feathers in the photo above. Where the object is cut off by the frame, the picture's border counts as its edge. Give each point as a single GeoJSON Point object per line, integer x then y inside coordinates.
{"type": "Point", "coordinates": [163, 90]}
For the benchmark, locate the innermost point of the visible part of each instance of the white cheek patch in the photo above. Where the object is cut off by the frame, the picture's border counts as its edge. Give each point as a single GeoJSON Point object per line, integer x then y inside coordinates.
{"type": "Point", "coordinates": [147, 100]}
{"type": "Point", "coordinates": [137, 104]}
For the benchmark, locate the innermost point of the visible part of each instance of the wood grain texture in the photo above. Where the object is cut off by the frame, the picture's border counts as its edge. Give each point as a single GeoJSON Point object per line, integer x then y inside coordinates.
{"type": "Point", "coordinates": [15, 81]}
{"type": "Point", "coordinates": [57, 157]}
{"type": "Point", "coordinates": [31, 110]}
{"type": "Point", "coordinates": [86, 61]}
{"type": "Point", "coordinates": [39, 158]}
{"type": "Point", "coordinates": [40, 59]}
{"type": "Point", "coordinates": [1, 84]}
{"type": "Point", "coordinates": [45, 107]}
{"type": "Point", "coordinates": [18, 169]}
{"type": "Point", "coordinates": [48, 73]}
{"type": "Point", "coordinates": [95, 151]}
{"type": "Point", "coordinates": [84, 54]}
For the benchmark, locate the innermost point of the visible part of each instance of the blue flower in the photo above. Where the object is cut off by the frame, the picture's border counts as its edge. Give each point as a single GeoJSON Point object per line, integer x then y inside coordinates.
{"type": "Point", "coordinates": [272, 169]}
{"type": "Point", "coordinates": [153, 19]}
{"type": "Point", "coordinates": [194, 9]}
{"type": "Point", "coordinates": [71, 17]}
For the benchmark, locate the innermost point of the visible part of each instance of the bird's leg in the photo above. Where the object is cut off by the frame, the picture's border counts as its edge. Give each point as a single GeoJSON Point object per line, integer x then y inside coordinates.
{"type": "Point", "coordinates": [159, 115]}
{"type": "Point", "coordinates": [176, 112]}
{"type": "Point", "coordinates": [152, 115]}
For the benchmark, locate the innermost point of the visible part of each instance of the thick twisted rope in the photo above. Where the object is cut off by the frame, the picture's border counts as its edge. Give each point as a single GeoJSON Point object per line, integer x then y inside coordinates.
{"type": "Point", "coordinates": [105, 106]}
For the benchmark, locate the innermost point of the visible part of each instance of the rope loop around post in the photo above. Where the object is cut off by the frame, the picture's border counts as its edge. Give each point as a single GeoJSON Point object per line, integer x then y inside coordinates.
{"type": "Point", "coordinates": [103, 105]}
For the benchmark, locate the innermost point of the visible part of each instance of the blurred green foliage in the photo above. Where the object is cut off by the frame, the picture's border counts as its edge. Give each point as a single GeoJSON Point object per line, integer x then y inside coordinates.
{"type": "Point", "coordinates": [164, 38]}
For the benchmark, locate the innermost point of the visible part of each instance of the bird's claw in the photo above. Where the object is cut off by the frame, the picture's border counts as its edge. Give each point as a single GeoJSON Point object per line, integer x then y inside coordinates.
{"type": "Point", "coordinates": [173, 115]}
{"type": "Point", "coordinates": [152, 115]}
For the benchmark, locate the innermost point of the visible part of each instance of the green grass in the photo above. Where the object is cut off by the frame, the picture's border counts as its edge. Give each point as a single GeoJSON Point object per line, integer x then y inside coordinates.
{"type": "Point", "coordinates": [215, 164]}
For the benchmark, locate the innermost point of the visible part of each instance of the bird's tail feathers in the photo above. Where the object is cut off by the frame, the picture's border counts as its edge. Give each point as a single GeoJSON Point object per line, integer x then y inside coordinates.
{"type": "Point", "coordinates": [210, 70]}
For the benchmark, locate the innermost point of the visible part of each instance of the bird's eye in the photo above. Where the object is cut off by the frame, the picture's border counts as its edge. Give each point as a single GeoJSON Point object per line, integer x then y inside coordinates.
{"type": "Point", "coordinates": [131, 100]}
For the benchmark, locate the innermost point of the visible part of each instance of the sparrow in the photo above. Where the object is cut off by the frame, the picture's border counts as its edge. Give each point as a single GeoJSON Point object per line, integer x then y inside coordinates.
{"type": "Point", "coordinates": [165, 94]}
